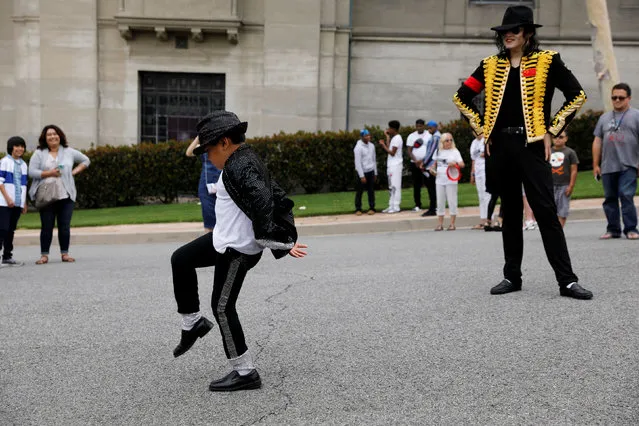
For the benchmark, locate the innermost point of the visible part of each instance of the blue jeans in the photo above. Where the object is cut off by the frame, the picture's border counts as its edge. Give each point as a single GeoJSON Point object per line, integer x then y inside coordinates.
{"type": "Point", "coordinates": [620, 186]}
{"type": "Point", "coordinates": [62, 210]}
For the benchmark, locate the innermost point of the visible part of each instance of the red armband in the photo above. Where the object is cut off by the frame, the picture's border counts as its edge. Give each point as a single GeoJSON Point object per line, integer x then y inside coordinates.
{"type": "Point", "coordinates": [473, 84]}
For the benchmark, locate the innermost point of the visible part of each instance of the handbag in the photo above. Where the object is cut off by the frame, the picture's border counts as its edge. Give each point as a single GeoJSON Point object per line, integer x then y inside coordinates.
{"type": "Point", "coordinates": [47, 193]}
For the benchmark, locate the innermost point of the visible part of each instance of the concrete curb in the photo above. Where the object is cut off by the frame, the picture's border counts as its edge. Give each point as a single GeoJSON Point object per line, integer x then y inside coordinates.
{"type": "Point", "coordinates": [309, 226]}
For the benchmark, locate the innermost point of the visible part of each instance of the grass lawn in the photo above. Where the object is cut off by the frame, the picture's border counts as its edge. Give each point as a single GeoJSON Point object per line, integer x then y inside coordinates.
{"type": "Point", "coordinates": [316, 205]}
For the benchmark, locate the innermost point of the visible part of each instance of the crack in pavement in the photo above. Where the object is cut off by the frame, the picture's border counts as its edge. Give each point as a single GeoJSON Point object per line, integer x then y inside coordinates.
{"type": "Point", "coordinates": [281, 374]}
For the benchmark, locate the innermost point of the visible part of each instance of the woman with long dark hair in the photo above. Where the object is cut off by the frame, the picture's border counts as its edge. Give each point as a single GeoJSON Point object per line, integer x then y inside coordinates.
{"type": "Point", "coordinates": [53, 163]}
{"type": "Point", "coordinates": [519, 83]}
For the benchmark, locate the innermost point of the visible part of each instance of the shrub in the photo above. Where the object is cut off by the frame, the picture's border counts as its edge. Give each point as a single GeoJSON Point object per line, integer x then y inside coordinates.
{"type": "Point", "coordinates": [303, 161]}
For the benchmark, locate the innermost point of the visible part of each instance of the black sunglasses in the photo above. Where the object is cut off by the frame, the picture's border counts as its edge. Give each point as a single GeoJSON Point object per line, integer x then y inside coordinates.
{"type": "Point", "coordinates": [515, 30]}
{"type": "Point", "coordinates": [620, 98]}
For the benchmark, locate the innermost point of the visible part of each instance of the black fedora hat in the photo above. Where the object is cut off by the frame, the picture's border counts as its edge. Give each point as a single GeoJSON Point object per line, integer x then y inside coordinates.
{"type": "Point", "coordinates": [216, 125]}
{"type": "Point", "coordinates": [517, 16]}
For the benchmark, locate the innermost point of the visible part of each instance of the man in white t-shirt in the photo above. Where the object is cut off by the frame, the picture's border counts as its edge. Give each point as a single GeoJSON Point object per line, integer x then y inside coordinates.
{"type": "Point", "coordinates": [417, 174]}
{"type": "Point", "coordinates": [394, 165]}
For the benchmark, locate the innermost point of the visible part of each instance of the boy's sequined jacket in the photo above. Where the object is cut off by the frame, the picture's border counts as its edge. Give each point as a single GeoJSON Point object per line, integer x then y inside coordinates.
{"type": "Point", "coordinates": [249, 185]}
{"type": "Point", "coordinates": [540, 73]}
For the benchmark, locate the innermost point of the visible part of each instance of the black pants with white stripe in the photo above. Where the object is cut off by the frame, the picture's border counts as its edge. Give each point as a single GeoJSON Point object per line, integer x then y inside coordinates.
{"type": "Point", "coordinates": [511, 163]}
{"type": "Point", "coordinates": [230, 270]}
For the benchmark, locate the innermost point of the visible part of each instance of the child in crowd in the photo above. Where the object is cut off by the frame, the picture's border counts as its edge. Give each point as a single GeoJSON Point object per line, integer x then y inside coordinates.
{"type": "Point", "coordinates": [13, 196]}
{"type": "Point", "coordinates": [252, 214]}
{"type": "Point", "coordinates": [564, 163]}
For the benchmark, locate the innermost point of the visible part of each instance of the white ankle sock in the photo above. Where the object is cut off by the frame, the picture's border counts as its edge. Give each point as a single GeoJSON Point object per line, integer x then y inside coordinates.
{"type": "Point", "coordinates": [570, 285]}
{"type": "Point", "coordinates": [243, 364]}
{"type": "Point", "coordinates": [189, 320]}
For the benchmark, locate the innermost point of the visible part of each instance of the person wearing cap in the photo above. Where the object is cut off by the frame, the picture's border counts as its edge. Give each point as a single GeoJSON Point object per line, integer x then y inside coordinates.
{"type": "Point", "coordinates": [253, 213]}
{"type": "Point", "coordinates": [394, 165]}
{"type": "Point", "coordinates": [519, 83]}
{"type": "Point", "coordinates": [418, 135]}
{"type": "Point", "coordinates": [366, 167]}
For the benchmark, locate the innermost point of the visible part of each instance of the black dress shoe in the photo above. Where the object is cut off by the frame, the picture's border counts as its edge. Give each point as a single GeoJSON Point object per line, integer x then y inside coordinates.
{"type": "Point", "coordinates": [234, 382]}
{"type": "Point", "coordinates": [488, 228]}
{"type": "Point", "coordinates": [505, 287]}
{"type": "Point", "coordinates": [576, 292]}
{"type": "Point", "coordinates": [429, 213]}
{"type": "Point", "coordinates": [189, 337]}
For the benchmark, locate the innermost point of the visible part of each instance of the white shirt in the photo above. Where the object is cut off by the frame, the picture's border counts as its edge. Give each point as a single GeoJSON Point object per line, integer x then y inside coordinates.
{"type": "Point", "coordinates": [419, 153]}
{"type": "Point", "coordinates": [410, 141]}
{"type": "Point", "coordinates": [397, 159]}
{"type": "Point", "coordinates": [233, 229]}
{"type": "Point", "coordinates": [477, 148]}
{"type": "Point", "coordinates": [443, 157]}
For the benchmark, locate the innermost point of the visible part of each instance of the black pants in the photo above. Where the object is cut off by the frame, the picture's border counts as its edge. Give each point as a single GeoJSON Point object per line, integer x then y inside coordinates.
{"type": "Point", "coordinates": [513, 163]}
{"type": "Point", "coordinates": [491, 207]}
{"type": "Point", "coordinates": [370, 189]}
{"type": "Point", "coordinates": [418, 182]}
{"type": "Point", "coordinates": [62, 211]}
{"type": "Point", "coordinates": [230, 270]}
{"type": "Point", "coordinates": [8, 222]}
{"type": "Point", "coordinates": [432, 192]}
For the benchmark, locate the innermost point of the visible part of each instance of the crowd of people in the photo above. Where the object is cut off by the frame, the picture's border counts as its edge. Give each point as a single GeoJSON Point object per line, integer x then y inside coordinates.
{"type": "Point", "coordinates": [519, 156]}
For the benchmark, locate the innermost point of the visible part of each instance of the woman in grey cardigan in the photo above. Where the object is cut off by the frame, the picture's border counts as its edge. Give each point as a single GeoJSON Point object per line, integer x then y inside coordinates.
{"type": "Point", "coordinates": [55, 161]}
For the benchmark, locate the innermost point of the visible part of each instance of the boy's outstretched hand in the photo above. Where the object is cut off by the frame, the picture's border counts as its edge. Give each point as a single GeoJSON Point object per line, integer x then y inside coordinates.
{"type": "Point", "coordinates": [297, 251]}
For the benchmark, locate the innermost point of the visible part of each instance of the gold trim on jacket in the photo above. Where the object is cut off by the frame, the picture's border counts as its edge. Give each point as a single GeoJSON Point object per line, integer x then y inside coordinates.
{"type": "Point", "coordinates": [533, 77]}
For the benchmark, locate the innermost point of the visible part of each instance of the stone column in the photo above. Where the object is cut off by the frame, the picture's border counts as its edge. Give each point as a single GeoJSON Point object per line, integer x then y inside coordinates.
{"type": "Point", "coordinates": [69, 68]}
{"type": "Point", "coordinates": [291, 65]}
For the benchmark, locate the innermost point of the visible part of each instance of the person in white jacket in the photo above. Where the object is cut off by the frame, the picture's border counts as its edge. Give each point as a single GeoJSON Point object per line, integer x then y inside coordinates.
{"type": "Point", "coordinates": [478, 178]}
{"type": "Point", "coordinates": [366, 167]}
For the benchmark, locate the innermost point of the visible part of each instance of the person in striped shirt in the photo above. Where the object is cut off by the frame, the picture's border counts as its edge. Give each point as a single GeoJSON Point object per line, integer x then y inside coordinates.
{"type": "Point", "coordinates": [13, 195]}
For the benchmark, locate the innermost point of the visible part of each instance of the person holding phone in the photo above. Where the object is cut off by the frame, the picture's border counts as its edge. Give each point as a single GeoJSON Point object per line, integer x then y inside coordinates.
{"type": "Point", "coordinates": [394, 165]}
{"type": "Point", "coordinates": [54, 161]}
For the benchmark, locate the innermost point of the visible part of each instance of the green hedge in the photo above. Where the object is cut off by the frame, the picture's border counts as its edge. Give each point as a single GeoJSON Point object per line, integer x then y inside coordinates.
{"type": "Point", "coordinates": [300, 162]}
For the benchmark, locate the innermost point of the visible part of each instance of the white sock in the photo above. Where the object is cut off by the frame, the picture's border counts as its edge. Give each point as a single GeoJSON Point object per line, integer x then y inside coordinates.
{"type": "Point", "coordinates": [243, 364]}
{"type": "Point", "coordinates": [189, 320]}
{"type": "Point", "coordinates": [570, 285]}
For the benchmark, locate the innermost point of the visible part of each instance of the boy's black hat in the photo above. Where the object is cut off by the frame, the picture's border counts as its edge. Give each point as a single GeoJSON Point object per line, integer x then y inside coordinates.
{"type": "Point", "coordinates": [216, 125]}
{"type": "Point", "coordinates": [517, 16]}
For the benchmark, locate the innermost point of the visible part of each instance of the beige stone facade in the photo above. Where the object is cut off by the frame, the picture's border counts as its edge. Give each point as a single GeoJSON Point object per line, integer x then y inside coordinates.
{"type": "Point", "coordinates": [285, 65]}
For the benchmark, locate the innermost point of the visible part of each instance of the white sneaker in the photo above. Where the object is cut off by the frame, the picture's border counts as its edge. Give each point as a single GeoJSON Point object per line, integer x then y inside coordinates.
{"type": "Point", "coordinates": [394, 211]}
{"type": "Point", "coordinates": [416, 209]}
{"type": "Point", "coordinates": [387, 210]}
{"type": "Point", "coordinates": [529, 226]}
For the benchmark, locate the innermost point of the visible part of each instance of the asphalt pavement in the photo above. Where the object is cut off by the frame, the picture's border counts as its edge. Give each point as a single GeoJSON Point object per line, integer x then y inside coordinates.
{"type": "Point", "coordinates": [371, 328]}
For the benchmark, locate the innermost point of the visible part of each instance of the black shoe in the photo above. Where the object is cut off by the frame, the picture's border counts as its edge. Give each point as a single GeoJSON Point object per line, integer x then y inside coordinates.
{"type": "Point", "coordinates": [234, 382]}
{"type": "Point", "coordinates": [505, 287]}
{"type": "Point", "coordinates": [429, 213]}
{"type": "Point", "coordinates": [189, 337]}
{"type": "Point", "coordinates": [576, 292]}
{"type": "Point", "coordinates": [488, 228]}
